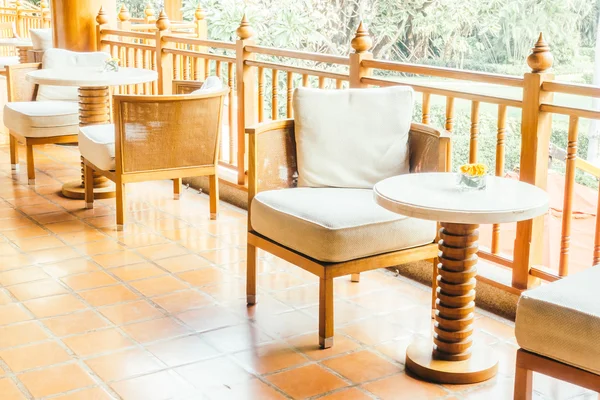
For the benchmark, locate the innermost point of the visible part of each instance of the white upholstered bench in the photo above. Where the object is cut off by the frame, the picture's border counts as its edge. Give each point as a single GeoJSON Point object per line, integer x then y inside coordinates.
{"type": "Point", "coordinates": [558, 330]}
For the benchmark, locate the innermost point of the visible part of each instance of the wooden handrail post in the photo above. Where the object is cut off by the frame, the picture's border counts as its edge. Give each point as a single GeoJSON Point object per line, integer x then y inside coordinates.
{"type": "Point", "coordinates": [102, 21]}
{"type": "Point", "coordinates": [149, 16]}
{"type": "Point", "coordinates": [536, 127]}
{"type": "Point", "coordinates": [361, 44]}
{"type": "Point", "coordinates": [246, 93]}
{"type": "Point", "coordinates": [19, 12]}
{"type": "Point", "coordinates": [45, 9]}
{"type": "Point", "coordinates": [164, 64]}
{"type": "Point", "coordinates": [124, 18]}
{"type": "Point", "coordinates": [201, 32]}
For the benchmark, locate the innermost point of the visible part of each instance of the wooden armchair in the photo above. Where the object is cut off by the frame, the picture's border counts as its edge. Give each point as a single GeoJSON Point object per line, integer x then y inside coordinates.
{"type": "Point", "coordinates": [155, 138]}
{"type": "Point", "coordinates": [322, 249]}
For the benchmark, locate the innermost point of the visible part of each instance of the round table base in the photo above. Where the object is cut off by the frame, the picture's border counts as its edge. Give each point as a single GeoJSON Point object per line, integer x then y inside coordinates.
{"type": "Point", "coordinates": [481, 366]}
{"type": "Point", "coordinates": [74, 190]}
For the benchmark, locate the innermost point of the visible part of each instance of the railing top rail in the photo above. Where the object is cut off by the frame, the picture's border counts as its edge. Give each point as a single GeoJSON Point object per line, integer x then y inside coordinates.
{"type": "Point", "coordinates": [444, 72]}
{"type": "Point", "coordinates": [446, 92]}
{"type": "Point", "coordinates": [199, 42]}
{"type": "Point", "coordinates": [571, 111]}
{"type": "Point", "coordinates": [200, 54]}
{"type": "Point", "coordinates": [298, 70]}
{"type": "Point", "coordinates": [129, 45]}
{"type": "Point", "coordinates": [571, 88]}
{"type": "Point", "coordinates": [130, 34]}
{"type": "Point", "coordinates": [303, 55]}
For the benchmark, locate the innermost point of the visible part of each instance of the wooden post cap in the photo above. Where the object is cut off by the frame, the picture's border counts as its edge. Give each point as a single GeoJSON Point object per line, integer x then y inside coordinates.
{"type": "Point", "coordinates": [43, 4]}
{"type": "Point", "coordinates": [244, 31]}
{"type": "Point", "coordinates": [199, 13]}
{"type": "Point", "coordinates": [163, 23]}
{"type": "Point", "coordinates": [362, 42]}
{"type": "Point", "coordinates": [102, 17]}
{"type": "Point", "coordinates": [124, 14]}
{"type": "Point", "coordinates": [149, 11]}
{"type": "Point", "coordinates": [540, 59]}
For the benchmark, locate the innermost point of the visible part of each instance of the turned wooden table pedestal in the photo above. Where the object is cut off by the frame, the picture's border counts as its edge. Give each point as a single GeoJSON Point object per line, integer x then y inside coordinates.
{"type": "Point", "coordinates": [94, 107]}
{"type": "Point", "coordinates": [452, 357]}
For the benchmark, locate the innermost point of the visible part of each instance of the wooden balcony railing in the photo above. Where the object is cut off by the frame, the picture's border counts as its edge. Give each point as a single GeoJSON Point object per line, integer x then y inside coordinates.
{"type": "Point", "coordinates": [25, 15]}
{"type": "Point", "coordinates": [263, 79]}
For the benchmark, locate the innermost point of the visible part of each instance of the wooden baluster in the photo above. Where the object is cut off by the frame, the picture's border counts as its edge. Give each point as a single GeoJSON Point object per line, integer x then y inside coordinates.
{"type": "Point", "coordinates": [274, 94]}
{"type": "Point", "coordinates": [449, 114]}
{"type": "Point", "coordinates": [597, 235]}
{"type": "Point", "coordinates": [339, 84]}
{"type": "Point", "coordinates": [230, 82]}
{"type": "Point", "coordinates": [261, 94]}
{"type": "Point", "coordinates": [290, 92]}
{"type": "Point", "coordinates": [176, 66]}
{"type": "Point", "coordinates": [186, 67]}
{"type": "Point", "coordinates": [565, 240]}
{"type": "Point", "coordinates": [304, 80]}
{"type": "Point", "coordinates": [499, 169]}
{"type": "Point", "coordinates": [218, 69]}
{"type": "Point", "coordinates": [197, 69]}
{"type": "Point", "coordinates": [474, 131]}
{"type": "Point", "coordinates": [206, 68]}
{"type": "Point", "coordinates": [138, 64]}
{"type": "Point", "coordinates": [321, 82]}
{"type": "Point", "coordinates": [154, 68]}
{"type": "Point", "coordinates": [426, 108]}
{"type": "Point", "coordinates": [146, 65]}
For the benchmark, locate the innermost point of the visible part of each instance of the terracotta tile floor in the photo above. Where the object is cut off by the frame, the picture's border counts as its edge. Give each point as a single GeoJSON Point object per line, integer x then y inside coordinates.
{"type": "Point", "coordinates": [158, 312]}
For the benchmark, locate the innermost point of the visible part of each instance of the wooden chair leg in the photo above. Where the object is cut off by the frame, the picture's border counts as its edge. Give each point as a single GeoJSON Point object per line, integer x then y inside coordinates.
{"type": "Point", "coordinates": [88, 183]}
{"type": "Point", "coordinates": [14, 152]}
{"type": "Point", "coordinates": [523, 382]}
{"type": "Point", "coordinates": [30, 165]}
{"type": "Point", "coordinates": [355, 277]}
{"type": "Point", "coordinates": [214, 196]}
{"type": "Point", "coordinates": [434, 285]}
{"type": "Point", "coordinates": [251, 275]}
{"type": "Point", "coordinates": [120, 195]}
{"type": "Point", "coordinates": [326, 313]}
{"type": "Point", "coordinates": [176, 188]}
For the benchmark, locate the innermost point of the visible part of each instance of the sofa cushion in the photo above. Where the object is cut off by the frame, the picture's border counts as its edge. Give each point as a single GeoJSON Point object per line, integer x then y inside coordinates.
{"type": "Point", "coordinates": [41, 39]}
{"type": "Point", "coordinates": [561, 320]}
{"type": "Point", "coordinates": [210, 84]}
{"type": "Point", "coordinates": [65, 59]}
{"type": "Point", "coordinates": [8, 60]}
{"type": "Point", "coordinates": [42, 118]}
{"type": "Point", "coordinates": [351, 138]}
{"type": "Point", "coordinates": [335, 224]}
{"type": "Point", "coordinates": [97, 145]}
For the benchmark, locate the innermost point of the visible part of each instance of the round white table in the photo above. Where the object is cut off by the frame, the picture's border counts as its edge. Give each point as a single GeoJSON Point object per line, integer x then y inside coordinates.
{"type": "Point", "coordinates": [94, 106]}
{"type": "Point", "coordinates": [19, 55]}
{"type": "Point", "coordinates": [452, 358]}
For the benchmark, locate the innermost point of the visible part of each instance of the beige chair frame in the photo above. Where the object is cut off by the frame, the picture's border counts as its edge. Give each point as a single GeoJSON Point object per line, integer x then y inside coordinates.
{"type": "Point", "coordinates": [120, 177]}
{"type": "Point", "coordinates": [278, 137]}
{"type": "Point", "coordinates": [19, 89]}
{"type": "Point", "coordinates": [528, 362]}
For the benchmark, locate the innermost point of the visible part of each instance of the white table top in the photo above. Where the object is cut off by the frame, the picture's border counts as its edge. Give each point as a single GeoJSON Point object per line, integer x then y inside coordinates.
{"type": "Point", "coordinates": [91, 77]}
{"type": "Point", "coordinates": [15, 42]}
{"type": "Point", "coordinates": [436, 196]}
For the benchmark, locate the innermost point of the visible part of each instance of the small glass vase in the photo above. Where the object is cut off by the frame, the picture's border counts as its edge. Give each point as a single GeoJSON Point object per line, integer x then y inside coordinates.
{"type": "Point", "coordinates": [111, 66]}
{"type": "Point", "coordinates": [469, 182]}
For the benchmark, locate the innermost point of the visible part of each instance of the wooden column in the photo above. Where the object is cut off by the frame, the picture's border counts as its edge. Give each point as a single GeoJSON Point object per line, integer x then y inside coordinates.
{"type": "Point", "coordinates": [536, 128]}
{"type": "Point", "coordinates": [173, 9]}
{"type": "Point", "coordinates": [361, 44]}
{"type": "Point", "coordinates": [74, 22]}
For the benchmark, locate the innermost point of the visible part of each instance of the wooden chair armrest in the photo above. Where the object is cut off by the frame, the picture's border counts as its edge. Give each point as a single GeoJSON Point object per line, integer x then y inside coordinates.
{"type": "Point", "coordinates": [429, 149]}
{"type": "Point", "coordinates": [19, 88]}
{"type": "Point", "coordinates": [186, 87]}
{"type": "Point", "coordinates": [269, 126]}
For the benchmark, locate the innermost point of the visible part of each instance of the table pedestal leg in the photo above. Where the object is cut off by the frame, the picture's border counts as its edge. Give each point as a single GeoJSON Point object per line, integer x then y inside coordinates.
{"type": "Point", "coordinates": [452, 358]}
{"type": "Point", "coordinates": [94, 109]}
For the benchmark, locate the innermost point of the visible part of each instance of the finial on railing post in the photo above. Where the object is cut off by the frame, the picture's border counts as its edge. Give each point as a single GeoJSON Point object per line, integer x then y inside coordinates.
{"type": "Point", "coordinates": [540, 59]}
{"type": "Point", "coordinates": [163, 23]}
{"type": "Point", "coordinates": [199, 13]}
{"type": "Point", "coordinates": [245, 30]}
{"type": "Point", "coordinates": [362, 41]}
{"type": "Point", "coordinates": [45, 8]}
{"type": "Point", "coordinates": [149, 13]}
{"type": "Point", "coordinates": [124, 15]}
{"type": "Point", "coordinates": [102, 17]}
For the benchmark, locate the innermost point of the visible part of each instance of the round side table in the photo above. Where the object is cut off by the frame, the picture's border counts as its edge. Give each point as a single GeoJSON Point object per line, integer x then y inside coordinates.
{"type": "Point", "coordinates": [94, 106]}
{"type": "Point", "coordinates": [452, 358]}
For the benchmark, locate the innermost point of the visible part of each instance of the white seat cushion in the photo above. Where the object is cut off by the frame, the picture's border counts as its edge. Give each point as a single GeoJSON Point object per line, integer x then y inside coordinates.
{"type": "Point", "coordinates": [335, 224]}
{"type": "Point", "coordinates": [210, 84]}
{"type": "Point", "coordinates": [8, 60]}
{"type": "Point", "coordinates": [561, 320]}
{"type": "Point", "coordinates": [65, 59]}
{"type": "Point", "coordinates": [97, 145]}
{"type": "Point", "coordinates": [42, 118]}
{"type": "Point", "coordinates": [367, 128]}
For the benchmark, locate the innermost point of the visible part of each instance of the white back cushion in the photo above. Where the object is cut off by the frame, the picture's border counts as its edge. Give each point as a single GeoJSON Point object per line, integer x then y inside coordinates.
{"type": "Point", "coordinates": [211, 84]}
{"type": "Point", "coordinates": [65, 59]}
{"type": "Point", "coordinates": [351, 138]}
{"type": "Point", "coordinates": [41, 38]}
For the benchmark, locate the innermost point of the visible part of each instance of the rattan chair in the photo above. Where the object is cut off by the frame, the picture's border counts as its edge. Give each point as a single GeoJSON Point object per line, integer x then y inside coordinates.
{"type": "Point", "coordinates": [335, 229]}
{"type": "Point", "coordinates": [155, 138]}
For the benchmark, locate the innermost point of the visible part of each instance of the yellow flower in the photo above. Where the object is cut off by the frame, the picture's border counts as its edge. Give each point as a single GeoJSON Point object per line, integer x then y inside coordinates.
{"type": "Point", "coordinates": [474, 169]}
